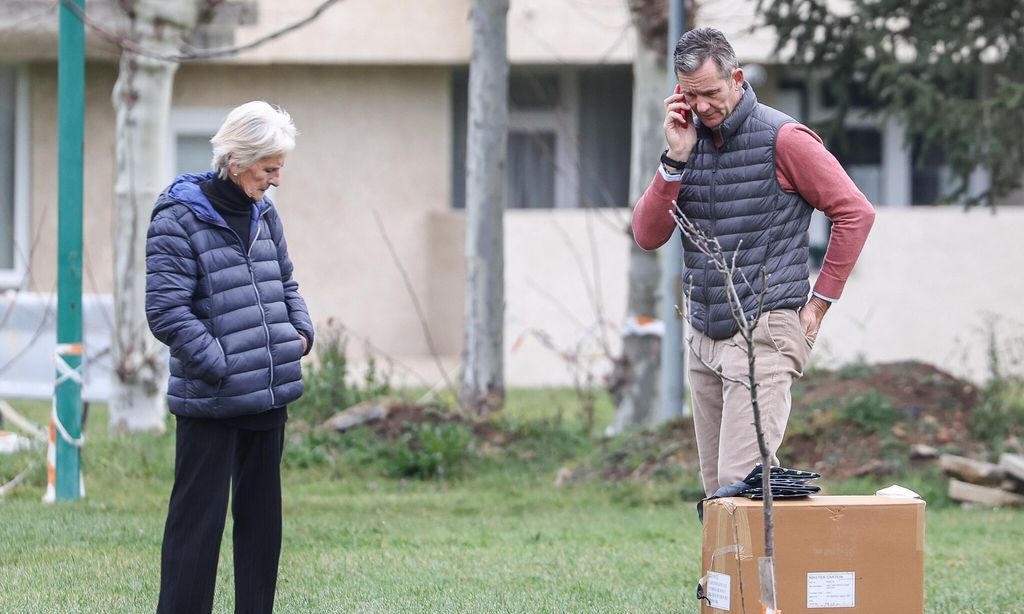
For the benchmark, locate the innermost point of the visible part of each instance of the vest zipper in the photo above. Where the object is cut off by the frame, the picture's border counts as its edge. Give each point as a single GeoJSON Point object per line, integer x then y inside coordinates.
{"type": "Point", "coordinates": [714, 227]}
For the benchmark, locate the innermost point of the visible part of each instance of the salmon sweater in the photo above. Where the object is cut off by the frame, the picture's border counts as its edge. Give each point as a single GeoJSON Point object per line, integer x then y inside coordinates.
{"type": "Point", "coordinates": [802, 165]}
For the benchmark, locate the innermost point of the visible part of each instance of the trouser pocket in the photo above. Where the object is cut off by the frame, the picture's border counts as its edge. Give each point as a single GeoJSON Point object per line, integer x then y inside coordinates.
{"type": "Point", "coordinates": [786, 334]}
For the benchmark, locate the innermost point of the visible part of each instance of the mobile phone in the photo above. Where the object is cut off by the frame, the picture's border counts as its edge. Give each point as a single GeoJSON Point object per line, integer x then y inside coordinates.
{"type": "Point", "coordinates": [688, 115]}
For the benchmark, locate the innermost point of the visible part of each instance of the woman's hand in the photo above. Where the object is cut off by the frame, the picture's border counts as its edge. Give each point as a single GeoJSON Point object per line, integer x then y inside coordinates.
{"type": "Point", "coordinates": [680, 133]}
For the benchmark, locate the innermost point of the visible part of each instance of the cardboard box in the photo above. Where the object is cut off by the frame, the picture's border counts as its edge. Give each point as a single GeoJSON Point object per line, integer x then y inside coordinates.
{"type": "Point", "coordinates": [832, 554]}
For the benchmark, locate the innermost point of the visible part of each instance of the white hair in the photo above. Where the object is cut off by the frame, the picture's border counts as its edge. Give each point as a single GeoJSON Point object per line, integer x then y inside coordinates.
{"type": "Point", "coordinates": [251, 132]}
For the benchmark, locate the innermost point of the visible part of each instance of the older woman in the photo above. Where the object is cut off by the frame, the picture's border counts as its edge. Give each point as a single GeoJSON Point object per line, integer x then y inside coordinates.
{"type": "Point", "coordinates": [220, 294]}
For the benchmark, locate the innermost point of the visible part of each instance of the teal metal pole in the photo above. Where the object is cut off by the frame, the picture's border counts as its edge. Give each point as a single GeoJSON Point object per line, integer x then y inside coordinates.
{"type": "Point", "coordinates": [673, 348]}
{"type": "Point", "coordinates": [70, 119]}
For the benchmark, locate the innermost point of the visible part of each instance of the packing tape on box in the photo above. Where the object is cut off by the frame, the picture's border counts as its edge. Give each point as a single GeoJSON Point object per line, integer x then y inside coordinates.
{"type": "Point", "coordinates": [920, 528]}
{"type": "Point", "coordinates": [732, 531]}
{"type": "Point", "coordinates": [731, 526]}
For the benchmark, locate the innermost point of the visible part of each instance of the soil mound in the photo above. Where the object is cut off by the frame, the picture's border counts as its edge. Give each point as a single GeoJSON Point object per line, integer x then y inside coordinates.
{"type": "Point", "coordinates": [856, 421]}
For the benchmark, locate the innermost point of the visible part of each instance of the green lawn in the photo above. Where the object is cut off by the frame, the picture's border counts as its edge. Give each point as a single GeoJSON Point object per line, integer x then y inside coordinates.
{"type": "Point", "coordinates": [494, 541]}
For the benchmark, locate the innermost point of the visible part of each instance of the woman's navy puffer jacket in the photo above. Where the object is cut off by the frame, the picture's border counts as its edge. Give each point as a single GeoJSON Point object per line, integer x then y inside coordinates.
{"type": "Point", "coordinates": [231, 316]}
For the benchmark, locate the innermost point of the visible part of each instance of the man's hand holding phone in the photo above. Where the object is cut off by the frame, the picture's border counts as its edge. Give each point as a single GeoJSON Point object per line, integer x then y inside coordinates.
{"type": "Point", "coordinates": [680, 133]}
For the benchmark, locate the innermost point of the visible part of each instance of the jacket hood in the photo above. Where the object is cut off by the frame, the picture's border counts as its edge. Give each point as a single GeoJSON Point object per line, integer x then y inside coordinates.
{"type": "Point", "coordinates": [185, 190]}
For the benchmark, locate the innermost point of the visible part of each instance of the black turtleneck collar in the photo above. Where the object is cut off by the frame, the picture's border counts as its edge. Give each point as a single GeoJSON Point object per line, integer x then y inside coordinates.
{"type": "Point", "coordinates": [232, 203]}
{"type": "Point", "coordinates": [228, 193]}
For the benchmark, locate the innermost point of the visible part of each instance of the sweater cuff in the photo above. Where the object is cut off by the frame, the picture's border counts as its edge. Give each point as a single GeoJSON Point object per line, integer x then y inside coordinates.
{"type": "Point", "coordinates": [828, 287]}
{"type": "Point", "coordinates": [670, 177]}
{"type": "Point", "coordinates": [666, 186]}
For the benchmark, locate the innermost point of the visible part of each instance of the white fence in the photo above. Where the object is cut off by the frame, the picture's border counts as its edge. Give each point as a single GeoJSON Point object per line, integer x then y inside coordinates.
{"type": "Point", "coordinates": [28, 337]}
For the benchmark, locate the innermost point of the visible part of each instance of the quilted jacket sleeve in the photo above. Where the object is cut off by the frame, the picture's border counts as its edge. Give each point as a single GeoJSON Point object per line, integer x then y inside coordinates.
{"type": "Point", "coordinates": [298, 313]}
{"type": "Point", "coordinates": [171, 277]}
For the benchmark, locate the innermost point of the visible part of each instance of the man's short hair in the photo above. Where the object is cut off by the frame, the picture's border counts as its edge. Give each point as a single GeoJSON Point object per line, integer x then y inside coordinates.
{"type": "Point", "coordinates": [696, 46]}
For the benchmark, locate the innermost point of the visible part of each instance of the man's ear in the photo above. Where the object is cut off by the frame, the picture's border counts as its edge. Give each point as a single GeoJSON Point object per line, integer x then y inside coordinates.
{"type": "Point", "coordinates": [737, 76]}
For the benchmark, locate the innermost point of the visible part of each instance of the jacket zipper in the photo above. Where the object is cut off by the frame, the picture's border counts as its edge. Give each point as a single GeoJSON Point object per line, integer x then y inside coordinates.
{"type": "Point", "coordinates": [252, 277]}
{"type": "Point", "coordinates": [259, 301]}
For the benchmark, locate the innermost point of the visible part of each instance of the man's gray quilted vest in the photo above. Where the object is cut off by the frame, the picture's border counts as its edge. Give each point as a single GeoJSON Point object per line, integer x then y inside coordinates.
{"type": "Point", "coordinates": [733, 194]}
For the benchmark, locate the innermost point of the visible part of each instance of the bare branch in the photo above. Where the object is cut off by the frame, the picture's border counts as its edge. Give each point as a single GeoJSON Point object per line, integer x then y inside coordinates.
{"type": "Point", "coordinates": [190, 53]}
{"type": "Point", "coordinates": [599, 301]}
{"type": "Point", "coordinates": [592, 286]}
{"type": "Point", "coordinates": [419, 309]}
{"type": "Point", "coordinates": [689, 343]}
{"type": "Point", "coordinates": [202, 54]}
{"type": "Point", "coordinates": [558, 304]}
{"type": "Point", "coordinates": [25, 20]}
{"type": "Point", "coordinates": [710, 247]}
{"type": "Point", "coordinates": [375, 349]}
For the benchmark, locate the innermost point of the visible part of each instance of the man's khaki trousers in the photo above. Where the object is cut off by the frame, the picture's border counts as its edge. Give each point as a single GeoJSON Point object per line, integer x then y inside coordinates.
{"type": "Point", "coordinates": [723, 415]}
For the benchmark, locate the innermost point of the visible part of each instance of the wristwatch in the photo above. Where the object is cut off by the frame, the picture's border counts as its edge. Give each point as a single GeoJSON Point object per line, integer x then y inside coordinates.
{"type": "Point", "coordinates": [667, 161]}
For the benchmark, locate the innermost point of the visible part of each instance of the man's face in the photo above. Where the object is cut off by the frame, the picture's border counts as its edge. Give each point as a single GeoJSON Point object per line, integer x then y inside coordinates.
{"type": "Point", "coordinates": [711, 96]}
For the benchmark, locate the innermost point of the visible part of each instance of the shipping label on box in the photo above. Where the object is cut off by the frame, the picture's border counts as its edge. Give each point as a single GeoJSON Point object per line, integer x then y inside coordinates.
{"type": "Point", "coordinates": [831, 590]}
{"type": "Point", "coordinates": [830, 553]}
{"type": "Point", "coordinates": [719, 591]}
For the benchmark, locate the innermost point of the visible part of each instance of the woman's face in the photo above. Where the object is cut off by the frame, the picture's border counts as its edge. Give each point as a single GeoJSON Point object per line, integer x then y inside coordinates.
{"type": "Point", "coordinates": [257, 179]}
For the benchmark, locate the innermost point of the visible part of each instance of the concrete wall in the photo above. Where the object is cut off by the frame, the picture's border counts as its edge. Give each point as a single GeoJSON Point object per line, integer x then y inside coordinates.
{"type": "Point", "coordinates": [407, 32]}
{"type": "Point", "coordinates": [99, 163]}
{"type": "Point", "coordinates": [927, 284]}
{"type": "Point", "coordinates": [365, 147]}
{"type": "Point", "coordinates": [926, 280]}
{"type": "Point", "coordinates": [438, 31]}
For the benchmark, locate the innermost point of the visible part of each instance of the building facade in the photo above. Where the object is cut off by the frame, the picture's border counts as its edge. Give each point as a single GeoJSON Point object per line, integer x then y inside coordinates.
{"type": "Point", "coordinates": [377, 89]}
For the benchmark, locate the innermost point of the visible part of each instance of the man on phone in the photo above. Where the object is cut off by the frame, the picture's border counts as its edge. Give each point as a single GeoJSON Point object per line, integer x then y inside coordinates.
{"type": "Point", "coordinates": [750, 176]}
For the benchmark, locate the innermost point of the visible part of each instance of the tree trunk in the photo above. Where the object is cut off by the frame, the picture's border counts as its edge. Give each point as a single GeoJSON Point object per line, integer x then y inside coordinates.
{"type": "Point", "coordinates": [483, 379]}
{"type": "Point", "coordinates": [142, 100]}
{"type": "Point", "coordinates": [635, 383]}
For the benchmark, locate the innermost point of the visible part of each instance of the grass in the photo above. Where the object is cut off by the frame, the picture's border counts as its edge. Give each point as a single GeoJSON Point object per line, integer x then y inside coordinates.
{"type": "Point", "coordinates": [500, 539]}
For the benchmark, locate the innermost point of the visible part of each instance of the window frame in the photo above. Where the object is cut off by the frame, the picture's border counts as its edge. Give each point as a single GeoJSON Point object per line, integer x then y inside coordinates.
{"type": "Point", "coordinates": [897, 168]}
{"type": "Point", "coordinates": [896, 165]}
{"type": "Point", "coordinates": [563, 121]}
{"type": "Point", "coordinates": [17, 277]}
{"type": "Point", "coordinates": [189, 121]}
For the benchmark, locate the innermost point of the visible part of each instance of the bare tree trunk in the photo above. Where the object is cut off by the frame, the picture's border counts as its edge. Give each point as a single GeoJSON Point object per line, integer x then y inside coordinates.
{"type": "Point", "coordinates": [142, 100]}
{"type": "Point", "coordinates": [635, 385]}
{"type": "Point", "coordinates": [483, 378]}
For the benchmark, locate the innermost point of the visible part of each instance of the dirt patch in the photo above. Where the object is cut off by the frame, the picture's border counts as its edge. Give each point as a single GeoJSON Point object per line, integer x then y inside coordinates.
{"type": "Point", "coordinates": [856, 421]}
{"type": "Point", "coordinates": [403, 418]}
{"type": "Point", "coordinates": [864, 420]}
{"type": "Point", "coordinates": [915, 388]}
{"type": "Point", "coordinates": [649, 453]}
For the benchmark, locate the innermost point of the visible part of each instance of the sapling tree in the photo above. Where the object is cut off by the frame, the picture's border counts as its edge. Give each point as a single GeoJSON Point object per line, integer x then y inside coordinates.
{"type": "Point", "coordinates": [738, 285]}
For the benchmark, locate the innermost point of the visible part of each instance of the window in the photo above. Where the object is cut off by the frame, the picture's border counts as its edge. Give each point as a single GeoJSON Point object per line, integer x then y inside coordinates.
{"type": "Point", "coordinates": [193, 153]}
{"type": "Point", "coordinates": [569, 137]}
{"type": "Point", "coordinates": [14, 165]}
{"type": "Point", "coordinates": [859, 150]}
{"type": "Point", "coordinates": [871, 148]}
{"type": "Point", "coordinates": [188, 144]}
{"type": "Point", "coordinates": [189, 149]}
{"type": "Point", "coordinates": [791, 99]}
